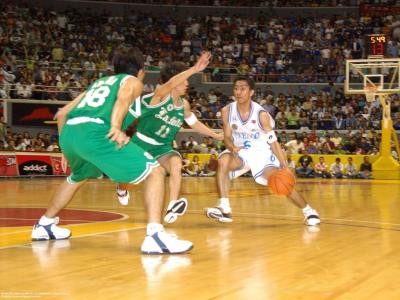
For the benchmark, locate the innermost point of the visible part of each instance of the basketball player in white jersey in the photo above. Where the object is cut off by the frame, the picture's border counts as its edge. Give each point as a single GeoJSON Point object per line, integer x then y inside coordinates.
{"type": "Point", "coordinates": [251, 145]}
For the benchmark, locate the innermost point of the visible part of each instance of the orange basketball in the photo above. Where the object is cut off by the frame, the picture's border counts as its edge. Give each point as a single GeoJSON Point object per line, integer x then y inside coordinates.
{"type": "Point", "coordinates": [281, 182]}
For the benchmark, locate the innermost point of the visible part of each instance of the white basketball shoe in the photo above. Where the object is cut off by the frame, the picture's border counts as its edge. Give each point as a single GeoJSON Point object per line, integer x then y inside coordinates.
{"type": "Point", "coordinates": [164, 243]}
{"type": "Point", "coordinates": [311, 217]}
{"type": "Point", "coordinates": [175, 209]}
{"type": "Point", "coordinates": [49, 232]}
{"type": "Point", "coordinates": [123, 196]}
{"type": "Point", "coordinates": [220, 214]}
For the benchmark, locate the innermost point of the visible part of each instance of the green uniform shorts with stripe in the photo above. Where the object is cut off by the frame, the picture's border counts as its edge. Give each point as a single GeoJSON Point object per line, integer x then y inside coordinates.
{"type": "Point", "coordinates": [91, 154]}
{"type": "Point", "coordinates": [156, 151]}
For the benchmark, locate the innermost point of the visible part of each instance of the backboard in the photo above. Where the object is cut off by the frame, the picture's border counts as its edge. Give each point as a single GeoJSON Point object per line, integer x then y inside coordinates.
{"type": "Point", "coordinates": [380, 73]}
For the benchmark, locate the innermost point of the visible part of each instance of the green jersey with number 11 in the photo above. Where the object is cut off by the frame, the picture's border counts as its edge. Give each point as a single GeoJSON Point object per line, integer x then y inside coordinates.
{"type": "Point", "coordinates": [160, 122]}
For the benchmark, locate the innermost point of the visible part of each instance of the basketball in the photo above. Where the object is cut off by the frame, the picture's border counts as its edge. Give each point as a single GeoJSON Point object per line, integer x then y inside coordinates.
{"type": "Point", "coordinates": [281, 182]}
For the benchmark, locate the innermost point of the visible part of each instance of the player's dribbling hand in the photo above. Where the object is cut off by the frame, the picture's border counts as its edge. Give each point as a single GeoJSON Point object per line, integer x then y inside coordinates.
{"type": "Point", "coordinates": [203, 61]}
{"type": "Point", "coordinates": [118, 136]}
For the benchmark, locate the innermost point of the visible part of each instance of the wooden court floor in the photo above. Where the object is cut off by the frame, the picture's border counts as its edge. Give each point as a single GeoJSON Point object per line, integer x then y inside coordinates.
{"type": "Point", "coordinates": [266, 253]}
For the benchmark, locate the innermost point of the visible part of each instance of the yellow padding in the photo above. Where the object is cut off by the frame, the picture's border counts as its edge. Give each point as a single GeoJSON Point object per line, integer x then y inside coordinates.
{"type": "Point", "coordinates": [329, 159]}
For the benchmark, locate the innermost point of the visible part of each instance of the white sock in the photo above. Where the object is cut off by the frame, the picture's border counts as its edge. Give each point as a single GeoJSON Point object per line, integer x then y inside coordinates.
{"type": "Point", "coordinates": [224, 204]}
{"type": "Point", "coordinates": [46, 221]}
{"type": "Point", "coordinates": [152, 228]}
{"type": "Point", "coordinates": [119, 191]}
{"type": "Point", "coordinates": [308, 209]}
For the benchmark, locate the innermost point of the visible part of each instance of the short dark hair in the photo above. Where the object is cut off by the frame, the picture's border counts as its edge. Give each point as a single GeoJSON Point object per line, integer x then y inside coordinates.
{"type": "Point", "coordinates": [248, 79]}
{"type": "Point", "coordinates": [128, 61]}
{"type": "Point", "coordinates": [171, 69]}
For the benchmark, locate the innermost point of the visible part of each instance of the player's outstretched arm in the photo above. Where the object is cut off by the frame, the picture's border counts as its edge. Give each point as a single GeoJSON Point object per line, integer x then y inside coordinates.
{"type": "Point", "coordinates": [163, 90]}
{"type": "Point", "coordinates": [197, 125]}
{"type": "Point", "coordinates": [130, 90]}
{"type": "Point", "coordinates": [272, 139]}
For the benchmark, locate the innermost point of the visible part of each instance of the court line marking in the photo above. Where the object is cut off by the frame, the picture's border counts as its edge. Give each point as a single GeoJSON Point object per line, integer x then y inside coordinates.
{"type": "Point", "coordinates": [124, 217]}
{"type": "Point", "coordinates": [25, 245]}
{"type": "Point", "coordinates": [69, 220]}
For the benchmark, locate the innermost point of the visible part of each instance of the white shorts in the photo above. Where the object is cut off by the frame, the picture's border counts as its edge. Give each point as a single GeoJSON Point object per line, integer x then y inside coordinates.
{"type": "Point", "coordinates": [256, 161]}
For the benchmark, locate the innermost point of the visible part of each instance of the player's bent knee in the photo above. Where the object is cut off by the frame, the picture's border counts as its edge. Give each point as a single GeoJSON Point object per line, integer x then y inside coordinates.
{"type": "Point", "coordinates": [158, 171]}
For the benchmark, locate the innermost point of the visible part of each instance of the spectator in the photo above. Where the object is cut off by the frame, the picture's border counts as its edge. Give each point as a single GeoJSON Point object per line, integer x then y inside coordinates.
{"type": "Point", "coordinates": [350, 170]}
{"type": "Point", "coordinates": [305, 168]}
{"type": "Point", "coordinates": [53, 147]}
{"type": "Point", "coordinates": [337, 139]}
{"type": "Point", "coordinates": [351, 147]}
{"type": "Point", "coordinates": [321, 169]}
{"type": "Point", "coordinates": [3, 129]}
{"type": "Point", "coordinates": [295, 145]}
{"type": "Point", "coordinates": [293, 119]}
{"type": "Point", "coordinates": [210, 168]}
{"type": "Point", "coordinates": [366, 169]}
{"type": "Point", "coordinates": [191, 143]}
{"type": "Point", "coordinates": [194, 168]}
{"type": "Point", "coordinates": [328, 147]}
{"type": "Point", "coordinates": [337, 168]}
{"type": "Point", "coordinates": [185, 164]}
{"type": "Point", "coordinates": [291, 163]}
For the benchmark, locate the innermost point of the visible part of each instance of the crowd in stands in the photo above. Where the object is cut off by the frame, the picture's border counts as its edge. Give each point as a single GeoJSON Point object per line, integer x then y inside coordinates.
{"type": "Point", "coordinates": [306, 168]}
{"type": "Point", "coordinates": [12, 141]}
{"type": "Point", "coordinates": [352, 142]}
{"type": "Point", "coordinates": [252, 3]}
{"type": "Point", "coordinates": [54, 55]}
{"type": "Point", "coordinates": [328, 109]}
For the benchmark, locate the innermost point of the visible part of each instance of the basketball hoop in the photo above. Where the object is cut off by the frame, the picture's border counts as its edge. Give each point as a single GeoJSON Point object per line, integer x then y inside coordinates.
{"type": "Point", "coordinates": [370, 92]}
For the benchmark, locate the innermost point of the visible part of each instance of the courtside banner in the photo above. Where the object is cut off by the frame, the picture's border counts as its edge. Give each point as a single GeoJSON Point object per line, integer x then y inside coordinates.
{"type": "Point", "coordinates": [34, 164]}
{"type": "Point", "coordinates": [57, 167]}
{"type": "Point", "coordinates": [8, 164]}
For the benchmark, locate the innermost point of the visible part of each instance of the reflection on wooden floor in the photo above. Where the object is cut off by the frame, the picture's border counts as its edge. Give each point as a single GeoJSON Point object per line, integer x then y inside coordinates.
{"type": "Point", "coordinates": [266, 253]}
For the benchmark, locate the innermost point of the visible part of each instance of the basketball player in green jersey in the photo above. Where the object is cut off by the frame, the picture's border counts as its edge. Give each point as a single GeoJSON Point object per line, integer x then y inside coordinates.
{"type": "Point", "coordinates": [86, 127]}
{"type": "Point", "coordinates": [161, 115]}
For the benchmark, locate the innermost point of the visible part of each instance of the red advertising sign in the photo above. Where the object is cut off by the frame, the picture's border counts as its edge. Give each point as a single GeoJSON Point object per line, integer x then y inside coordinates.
{"type": "Point", "coordinates": [57, 169]}
{"type": "Point", "coordinates": [8, 165]}
{"type": "Point", "coordinates": [32, 164]}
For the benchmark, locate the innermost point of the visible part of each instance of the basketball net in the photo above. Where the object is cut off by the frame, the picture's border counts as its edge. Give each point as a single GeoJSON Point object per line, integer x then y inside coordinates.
{"type": "Point", "coordinates": [371, 91]}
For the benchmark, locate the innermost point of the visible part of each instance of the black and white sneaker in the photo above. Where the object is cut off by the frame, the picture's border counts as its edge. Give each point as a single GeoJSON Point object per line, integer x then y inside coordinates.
{"type": "Point", "coordinates": [175, 209]}
{"type": "Point", "coordinates": [217, 213]}
{"type": "Point", "coordinates": [311, 218]}
{"type": "Point", "coordinates": [123, 197]}
{"type": "Point", "coordinates": [164, 243]}
{"type": "Point", "coordinates": [49, 232]}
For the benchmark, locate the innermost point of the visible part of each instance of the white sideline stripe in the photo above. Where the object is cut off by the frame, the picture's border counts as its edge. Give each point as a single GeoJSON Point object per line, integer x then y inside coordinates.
{"type": "Point", "coordinates": [74, 237]}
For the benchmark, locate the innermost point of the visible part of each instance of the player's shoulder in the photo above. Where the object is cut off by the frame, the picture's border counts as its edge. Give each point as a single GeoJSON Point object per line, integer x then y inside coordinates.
{"type": "Point", "coordinates": [257, 107]}
{"type": "Point", "coordinates": [228, 106]}
{"type": "Point", "coordinates": [226, 109]}
{"type": "Point", "coordinates": [146, 99]}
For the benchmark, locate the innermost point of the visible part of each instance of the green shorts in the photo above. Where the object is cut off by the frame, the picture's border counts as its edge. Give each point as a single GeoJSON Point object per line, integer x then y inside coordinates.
{"type": "Point", "coordinates": [155, 150]}
{"type": "Point", "coordinates": [90, 154]}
